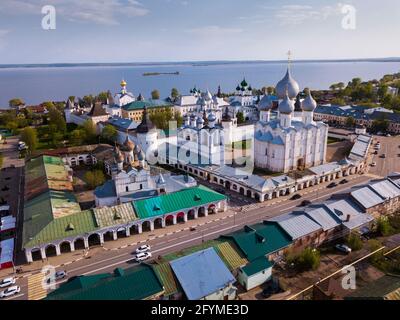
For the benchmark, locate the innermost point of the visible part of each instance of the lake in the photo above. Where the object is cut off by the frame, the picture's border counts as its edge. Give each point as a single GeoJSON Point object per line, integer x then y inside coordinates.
{"type": "Point", "coordinates": [35, 85]}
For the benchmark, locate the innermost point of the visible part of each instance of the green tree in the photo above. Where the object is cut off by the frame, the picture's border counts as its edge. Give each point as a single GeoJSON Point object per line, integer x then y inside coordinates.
{"type": "Point", "coordinates": [29, 136]}
{"type": "Point", "coordinates": [109, 133]}
{"type": "Point", "coordinates": [94, 178]}
{"type": "Point", "coordinates": [12, 126]}
{"type": "Point", "coordinates": [354, 242]}
{"type": "Point", "coordinates": [77, 137]}
{"type": "Point", "coordinates": [57, 119]}
{"type": "Point", "coordinates": [155, 95]}
{"type": "Point", "coordinates": [56, 137]}
{"type": "Point", "coordinates": [383, 226]}
{"type": "Point", "coordinates": [308, 259]}
{"type": "Point", "coordinates": [1, 160]}
{"type": "Point", "coordinates": [240, 117]}
{"type": "Point", "coordinates": [90, 129]}
{"type": "Point", "coordinates": [88, 100]}
{"type": "Point", "coordinates": [16, 102]}
{"type": "Point", "coordinates": [174, 93]}
{"type": "Point", "coordinates": [48, 105]}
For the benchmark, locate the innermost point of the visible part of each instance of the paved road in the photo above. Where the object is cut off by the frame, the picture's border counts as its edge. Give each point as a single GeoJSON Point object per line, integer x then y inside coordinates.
{"type": "Point", "coordinates": [106, 261]}
{"type": "Point", "coordinates": [390, 147]}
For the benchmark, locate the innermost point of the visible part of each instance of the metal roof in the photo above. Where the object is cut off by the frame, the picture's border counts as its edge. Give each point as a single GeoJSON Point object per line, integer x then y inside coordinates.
{"type": "Point", "coordinates": [172, 202]}
{"type": "Point", "coordinates": [386, 189]}
{"type": "Point", "coordinates": [297, 225]}
{"type": "Point", "coordinates": [367, 197]}
{"type": "Point", "coordinates": [137, 283]}
{"type": "Point", "coordinates": [116, 215]}
{"type": "Point", "coordinates": [260, 239]}
{"type": "Point", "coordinates": [323, 217]}
{"type": "Point", "coordinates": [257, 266]}
{"type": "Point", "coordinates": [201, 274]}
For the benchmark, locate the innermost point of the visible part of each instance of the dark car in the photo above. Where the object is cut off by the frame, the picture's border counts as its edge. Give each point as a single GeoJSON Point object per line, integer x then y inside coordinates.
{"type": "Point", "coordinates": [344, 181]}
{"type": "Point", "coordinates": [305, 203]}
{"type": "Point", "coordinates": [219, 190]}
{"type": "Point", "coordinates": [296, 197]}
{"type": "Point", "coordinates": [332, 185]}
{"type": "Point", "coordinates": [383, 156]}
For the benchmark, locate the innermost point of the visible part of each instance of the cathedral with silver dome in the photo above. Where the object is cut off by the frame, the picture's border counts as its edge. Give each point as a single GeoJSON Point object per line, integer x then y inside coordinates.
{"type": "Point", "coordinates": [292, 140]}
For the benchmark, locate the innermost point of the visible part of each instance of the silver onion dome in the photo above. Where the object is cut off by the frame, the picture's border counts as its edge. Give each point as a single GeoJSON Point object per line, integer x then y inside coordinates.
{"type": "Point", "coordinates": [287, 105]}
{"type": "Point", "coordinates": [309, 104]}
{"type": "Point", "coordinates": [265, 103]}
{"type": "Point", "coordinates": [289, 84]}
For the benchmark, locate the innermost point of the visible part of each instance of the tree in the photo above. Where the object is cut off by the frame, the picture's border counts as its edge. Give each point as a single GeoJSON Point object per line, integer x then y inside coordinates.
{"type": "Point", "coordinates": [350, 122]}
{"type": "Point", "coordinates": [354, 242]}
{"type": "Point", "coordinates": [88, 100]}
{"type": "Point", "coordinates": [155, 95]}
{"type": "Point", "coordinates": [48, 105]}
{"type": "Point", "coordinates": [16, 102]}
{"type": "Point", "coordinates": [109, 133]}
{"type": "Point", "coordinates": [77, 137]}
{"type": "Point", "coordinates": [1, 160]}
{"type": "Point", "coordinates": [103, 97]}
{"type": "Point", "coordinates": [174, 93]}
{"type": "Point", "coordinates": [380, 125]}
{"type": "Point", "coordinates": [308, 259]}
{"type": "Point", "coordinates": [383, 226]}
{"type": "Point", "coordinates": [94, 178]}
{"type": "Point", "coordinates": [12, 126]}
{"type": "Point", "coordinates": [56, 137]}
{"type": "Point", "coordinates": [29, 136]}
{"type": "Point", "coordinates": [240, 117]}
{"type": "Point", "coordinates": [57, 119]}
{"type": "Point", "coordinates": [90, 130]}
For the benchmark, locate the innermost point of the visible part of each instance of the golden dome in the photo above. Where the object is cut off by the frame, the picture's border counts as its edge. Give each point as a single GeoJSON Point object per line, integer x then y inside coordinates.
{"type": "Point", "coordinates": [123, 83]}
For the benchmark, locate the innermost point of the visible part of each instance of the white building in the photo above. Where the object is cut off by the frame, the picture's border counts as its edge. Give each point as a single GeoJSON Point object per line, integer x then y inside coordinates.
{"type": "Point", "coordinates": [289, 142]}
{"type": "Point", "coordinates": [244, 101]}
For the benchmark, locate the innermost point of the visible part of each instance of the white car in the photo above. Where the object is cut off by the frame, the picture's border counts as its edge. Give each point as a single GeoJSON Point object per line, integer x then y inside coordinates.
{"type": "Point", "coordinates": [373, 164]}
{"type": "Point", "coordinates": [7, 282]}
{"type": "Point", "coordinates": [144, 248]}
{"type": "Point", "coordinates": [143, 256]}
{"type": "Point", "coordinates": [10, 292]}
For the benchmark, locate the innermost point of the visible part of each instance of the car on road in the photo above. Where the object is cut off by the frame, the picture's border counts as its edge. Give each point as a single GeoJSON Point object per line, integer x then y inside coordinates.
{"type": "Point", "coordinates": [59, 275]}
{"type": "Point", "coordinates": [143, 248]}
{"type": "Point", "coordinates": [193, 229]}
{"type": "Point", "coordinates": [332, 185]}
{"type": "Point", "coordinates": [143, 256]}
{"type": "Point", "coordinates": [219, 190]}
{"type": "Point", "coordinates": [10, 292]}
{"type": "Point", "coordinates": [305, 203]}
{"type": "Point", "coordinates": [376, 152]}
{"type": "Point", "coordinates": [383, 156]}
{"type": "Point", "coordinates": [343, 248]}
{"type": "Point", "coordinates": [296, 197]}
{"type": "Point", "coordinates": [344, 181]}
{"type": "Point", "coordinates": [373, 164]}
{"type": "Point", "coordinates": [7, 282]}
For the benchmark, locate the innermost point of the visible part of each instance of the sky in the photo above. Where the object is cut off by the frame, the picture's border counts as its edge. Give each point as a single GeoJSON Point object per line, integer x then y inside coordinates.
{"type": "Point", "coordinates": [197, 30]}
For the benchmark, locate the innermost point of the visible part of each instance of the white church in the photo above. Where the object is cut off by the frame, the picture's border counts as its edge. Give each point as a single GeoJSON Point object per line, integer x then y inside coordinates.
{"type": "Point", "coordinates": [292, 141]}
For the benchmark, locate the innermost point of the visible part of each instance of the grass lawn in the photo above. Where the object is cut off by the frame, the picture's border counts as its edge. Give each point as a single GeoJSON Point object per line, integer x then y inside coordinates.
{"type": "Point", "coordinates": [188, 251]}
{"type": "Point", "coordinates": [333, 140]}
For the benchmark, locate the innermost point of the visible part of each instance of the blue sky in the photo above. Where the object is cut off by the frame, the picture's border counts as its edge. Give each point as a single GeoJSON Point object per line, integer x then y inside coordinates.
{"type": "Point", "coordinates": [184, 30]}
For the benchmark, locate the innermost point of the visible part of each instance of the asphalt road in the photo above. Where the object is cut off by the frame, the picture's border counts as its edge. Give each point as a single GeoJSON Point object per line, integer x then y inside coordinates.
{"type": "Point", "coordinates": [390, 146]}
{"type": "Point", "coordinates": [107, 261]}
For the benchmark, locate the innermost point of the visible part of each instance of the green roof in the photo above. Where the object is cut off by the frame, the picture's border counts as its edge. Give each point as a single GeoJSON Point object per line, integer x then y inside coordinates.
{"type": "Point", "coordinates": [138, 105]}
{"type": "Point", "coordinates": [260, 239]}
{"type": "Point", "coordinates": [137, 283]}
{"type": "Point", "coordinates": [173, 202]}
{"type": "Point", "coordinates": [257, 266]}
{"type": "Point", "coordinates": [131, 284]}
{"type": "Point", "coordinates": [60, 228]}
{"type": "Point", "coordinates": [51, 211]}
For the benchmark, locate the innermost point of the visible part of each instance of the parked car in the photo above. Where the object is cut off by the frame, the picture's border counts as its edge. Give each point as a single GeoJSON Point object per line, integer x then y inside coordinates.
{"type": "Point", "coordinates": [144, 248]}
{"type": "Point", "coordinates": [305, 203]}
{"type": "Point", "coordinates": [296, 197]}
{"type": "Point", "coordinates": [219, 190]}
{"type": "Point", "coordinates": [143, 256]}
{"type": "Point", "coordinates": [373, 164]}
{"type": "Point", "coordinates": [383, 156]}
{"type": "Point", "coordinates": [7, 282]}
{"type": "Point", "coordinates": [193, 229]}
{"type": "Point", "coordinates": [343, 248]}
{"type": "Point", "coordinates": [332, 185]}
{"type": "Point", "coordinates": [344, 181]}
{"type": "Point", "coordinates": [376, 152]}
{"type": "Point", "coordinates": [10, 292]}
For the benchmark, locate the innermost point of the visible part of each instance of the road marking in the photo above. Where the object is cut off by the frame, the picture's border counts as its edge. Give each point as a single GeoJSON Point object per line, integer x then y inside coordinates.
{"type": "Point", "coordinates": [15, 297]}
{"type": "Point", "coordinates": [35, 287]}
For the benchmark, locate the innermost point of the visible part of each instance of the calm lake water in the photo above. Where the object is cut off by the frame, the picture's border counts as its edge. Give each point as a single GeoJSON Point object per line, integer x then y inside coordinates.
{"type": "Point", "coordinates": [36, 85]}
